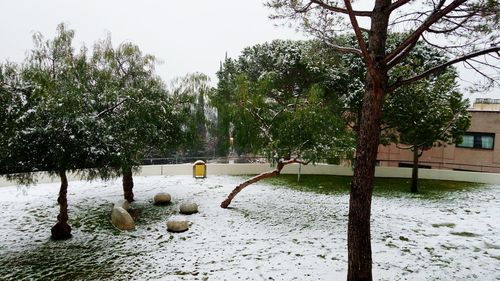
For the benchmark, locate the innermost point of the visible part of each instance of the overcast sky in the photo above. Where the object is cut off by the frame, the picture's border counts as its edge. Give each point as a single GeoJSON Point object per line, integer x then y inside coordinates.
{"type": "Point", "coordinates": [187, 36]}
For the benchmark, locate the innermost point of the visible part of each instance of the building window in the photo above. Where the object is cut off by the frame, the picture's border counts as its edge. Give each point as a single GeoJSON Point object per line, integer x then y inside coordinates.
{"type": "Point", "coordinates": [477, 140]}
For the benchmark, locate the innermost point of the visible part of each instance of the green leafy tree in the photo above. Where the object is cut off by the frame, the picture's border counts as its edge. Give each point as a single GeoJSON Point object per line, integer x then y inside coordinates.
{"type": "Point", "coordinates": [427, 113]}
{"type": "Point", "coordinates": [282, 103]}
{"type": "Point", "coordinates": [50, 121]}
{"type": "Point", "coordinates": [292, 66]}
{"type": "Point", "coordinates": [464, 29]}
{"type": "Point", "coordinates": [137, 112]}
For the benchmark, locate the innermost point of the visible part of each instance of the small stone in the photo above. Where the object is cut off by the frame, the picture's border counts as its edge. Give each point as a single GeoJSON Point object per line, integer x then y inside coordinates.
{"type": "Point", "coordinates": [174, 225]}
{"type": "Point", "coordinates": [122, 203]}
{"type": "Point", "coordinates": [121, 219]}
{"type": "Point", "coordinates": [161, 198]}
{"type": "Point", "coordinates": [188, 208]}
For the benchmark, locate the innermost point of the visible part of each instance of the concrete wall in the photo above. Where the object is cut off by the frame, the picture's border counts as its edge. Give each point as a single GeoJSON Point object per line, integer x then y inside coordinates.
{"type": "Point", "coordinates": [252, 169]}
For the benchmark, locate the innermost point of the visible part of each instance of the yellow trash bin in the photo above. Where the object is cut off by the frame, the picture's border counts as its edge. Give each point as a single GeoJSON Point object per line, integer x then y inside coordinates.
{"type": "Point", "coordinates": [199, 169]}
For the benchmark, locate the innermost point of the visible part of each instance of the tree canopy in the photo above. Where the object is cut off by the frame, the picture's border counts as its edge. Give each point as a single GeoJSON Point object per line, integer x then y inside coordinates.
{"type": "Point", "coordinates": [50, 111]}
{"type": "Point", "coordinates": [279, 99]}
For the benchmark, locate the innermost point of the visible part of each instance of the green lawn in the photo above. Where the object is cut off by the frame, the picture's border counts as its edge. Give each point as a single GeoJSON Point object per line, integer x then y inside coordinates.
{"type": "Point", "coordinates": [327, 184]}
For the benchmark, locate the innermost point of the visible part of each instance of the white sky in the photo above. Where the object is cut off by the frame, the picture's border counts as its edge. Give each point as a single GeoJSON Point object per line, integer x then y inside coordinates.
{"type": "Point", "coordinates": [187, 36]}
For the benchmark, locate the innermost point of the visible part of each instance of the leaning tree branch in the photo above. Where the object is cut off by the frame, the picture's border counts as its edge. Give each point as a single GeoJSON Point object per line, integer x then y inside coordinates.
{"type": "Point", "coordinates": [441, 67]}
{"type": "Point", "coordinates": [282, 163]}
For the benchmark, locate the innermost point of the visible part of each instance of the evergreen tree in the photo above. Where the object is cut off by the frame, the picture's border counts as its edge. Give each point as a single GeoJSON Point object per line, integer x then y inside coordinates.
{"type": "Point", "coordinates": [282, 102]}
{"type": "Point", "coordinates": [428, 113]}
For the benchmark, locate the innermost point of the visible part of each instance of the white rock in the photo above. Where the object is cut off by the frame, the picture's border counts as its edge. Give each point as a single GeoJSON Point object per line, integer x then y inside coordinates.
{"type": "Point", "coordinates": [122, 203]}
{"type": "Point", "coordinates": [121, 219]}
{"type": "Point", "coordinates": [188, 208]}
{"type": "Point", "coordinates": [174, 225]}
{"type": "Point", "coordinates": [162, 198]}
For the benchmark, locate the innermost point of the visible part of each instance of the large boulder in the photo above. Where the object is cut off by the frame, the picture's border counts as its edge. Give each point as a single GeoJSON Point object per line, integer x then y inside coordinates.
{"type": "Point", "coordinates": [121, 219]}
{"type": "Point", "coordinates": [177, 225]}
{"type": "Point", "coordinates": [162, 198]}
{"type": "Point", "coordinates": [188, 208]}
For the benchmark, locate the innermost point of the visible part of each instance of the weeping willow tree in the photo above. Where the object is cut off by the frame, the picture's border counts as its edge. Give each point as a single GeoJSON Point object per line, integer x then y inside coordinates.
{"type": "Point", "coordinates": [137, 111]}
{"type": "Point", "coordinates": [192, 95]}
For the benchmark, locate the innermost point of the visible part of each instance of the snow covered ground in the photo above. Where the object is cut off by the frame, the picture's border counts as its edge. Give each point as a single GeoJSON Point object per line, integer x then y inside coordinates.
{"type": "Point", "coordinates": [270, 233]}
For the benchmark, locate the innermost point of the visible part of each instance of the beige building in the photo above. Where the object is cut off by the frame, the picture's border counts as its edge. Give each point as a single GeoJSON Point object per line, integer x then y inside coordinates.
{"type": "Point", "coordinates": [479, 150]}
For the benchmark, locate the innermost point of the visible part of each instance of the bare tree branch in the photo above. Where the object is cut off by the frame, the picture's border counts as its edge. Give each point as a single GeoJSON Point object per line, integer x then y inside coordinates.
{"type": "Point", "coordinates": [487, 77]}
{"type": "Point", "coordinates": [441, 67]}
{"type": "Point", "coordinates": [327, 40]}
{"type": "Point", "coordinates": [359, 37]}
{"type": "Point", "coordinates": [398, 4]}
{"type": "Point", "coordinates": [402, 55]}
{"type": "Point", "coordinates": [403, 49]}
{"type": "Point", "coordinates": [341, 10]}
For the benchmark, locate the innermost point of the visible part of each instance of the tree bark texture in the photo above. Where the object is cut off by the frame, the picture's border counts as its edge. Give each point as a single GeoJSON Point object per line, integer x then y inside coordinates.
{"type": "Point", "coordinates": [414, 172]}
{"type": "Point", "coordinates": [62, 230]}
{"type": "Point", "coordinates": [359, 236]}
{"type": "Point", "coordinates": [128, 184]}
{"type": "Point", "coordinates": [275, 172]}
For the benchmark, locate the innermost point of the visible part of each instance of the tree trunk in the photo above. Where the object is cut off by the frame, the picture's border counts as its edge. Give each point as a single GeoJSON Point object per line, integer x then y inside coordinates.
{"type": "Point", "coordinates": [359, 238]}
{"type": "Point", "coordinates": [128, 184]}
{"type": "Point", "coordinates": [257, 178]}
{"type": "Point", "coordinates": [62, 230]}
{"type": "Point", "coordinates": [414, 172]}
{"type": "Point", "coordinates": [358, 229]}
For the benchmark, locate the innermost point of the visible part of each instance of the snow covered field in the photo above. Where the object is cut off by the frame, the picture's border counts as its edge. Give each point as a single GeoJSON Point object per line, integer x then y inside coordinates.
{"type": "Point", "coordinates": [270, 233]}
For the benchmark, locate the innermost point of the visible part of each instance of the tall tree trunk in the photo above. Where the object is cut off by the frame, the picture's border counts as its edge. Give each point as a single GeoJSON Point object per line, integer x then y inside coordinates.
{"type": "Point", "coordinates": [359, 238]}
{"type": "Point", "coordinates": [257, 178]}
{"type": "Point", "coordinates": [358, 229]}
{"type": "Point", "coordinates": [128, 184]}
{"type": "Point", "coordinates": [414, 172]}
{"type": "Point", "coordinates": [62, 230]}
